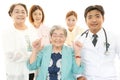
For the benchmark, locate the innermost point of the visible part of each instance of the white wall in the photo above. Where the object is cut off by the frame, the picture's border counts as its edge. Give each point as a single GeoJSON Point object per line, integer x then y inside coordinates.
{"type": "Point", "coordinates": [55, 11]}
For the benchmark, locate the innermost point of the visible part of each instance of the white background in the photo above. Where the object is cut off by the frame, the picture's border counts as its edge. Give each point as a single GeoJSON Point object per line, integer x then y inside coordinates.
{"type": "Point", "coordinates": [55, 12]}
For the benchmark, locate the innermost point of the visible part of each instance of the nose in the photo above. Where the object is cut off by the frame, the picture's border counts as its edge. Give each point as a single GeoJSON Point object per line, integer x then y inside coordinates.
{"type": "Point", "coordinates": [58, 37]}
{"type": "Point", "coordinates": [94, 19]}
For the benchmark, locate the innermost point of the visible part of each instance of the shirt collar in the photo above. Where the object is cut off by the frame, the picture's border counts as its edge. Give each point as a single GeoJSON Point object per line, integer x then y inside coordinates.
{"type": "Point", "coordinates": [99, 33]}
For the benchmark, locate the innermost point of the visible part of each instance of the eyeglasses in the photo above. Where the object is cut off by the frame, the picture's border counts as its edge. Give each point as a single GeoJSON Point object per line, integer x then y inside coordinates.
{"type": "Point", "coordinates": [56, 35]}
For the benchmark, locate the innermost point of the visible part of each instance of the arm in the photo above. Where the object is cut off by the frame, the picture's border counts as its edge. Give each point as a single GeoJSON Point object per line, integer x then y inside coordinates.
{"type": "Point", "coordinates": [77, 47]}
{"type": "Point", "coordinates": [77, 57]}
{"type": "Point", "coordinates": [12, 47]}
{"type": "Point", "coordinates": [117, 46]}
{"type": "Point", "coordinates": [36, 48]}
{"type": "Point", "coordinates": [35, 59]}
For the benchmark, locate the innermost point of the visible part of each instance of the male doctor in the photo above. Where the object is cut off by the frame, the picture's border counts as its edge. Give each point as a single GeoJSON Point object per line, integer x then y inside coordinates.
{"type": "Point", "coordinates": [98, 51]}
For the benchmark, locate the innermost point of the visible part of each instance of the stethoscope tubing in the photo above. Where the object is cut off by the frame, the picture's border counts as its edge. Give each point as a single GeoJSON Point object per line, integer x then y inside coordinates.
{"type": "Point", "coordinates": [106, 39]}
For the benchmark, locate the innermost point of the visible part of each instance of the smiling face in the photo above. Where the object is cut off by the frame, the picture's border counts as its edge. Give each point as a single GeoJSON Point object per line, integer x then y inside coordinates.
{"type": "Point", "coordinates": [94, 20]}
{"type": "Point", "coordinates": [37, 16]}
{"type": "Point", "coordinates": [71, 22]}
{"type": "Point", "coordinates": [19, 14]}
{"type": "Point", "coordinates": [58, 38]}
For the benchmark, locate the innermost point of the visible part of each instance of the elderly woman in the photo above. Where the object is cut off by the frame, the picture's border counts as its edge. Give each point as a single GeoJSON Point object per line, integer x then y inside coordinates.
{"type": "Point", "coordinates": [56, 61]}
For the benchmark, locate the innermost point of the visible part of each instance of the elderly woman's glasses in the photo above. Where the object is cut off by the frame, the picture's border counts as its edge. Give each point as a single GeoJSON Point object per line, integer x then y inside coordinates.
{"type": "Point", "coordinates": [58, 35]}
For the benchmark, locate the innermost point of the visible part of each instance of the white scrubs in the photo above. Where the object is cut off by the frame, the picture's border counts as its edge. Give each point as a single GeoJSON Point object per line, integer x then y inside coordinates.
{"type": "Point", "coordinates": [15, 47]}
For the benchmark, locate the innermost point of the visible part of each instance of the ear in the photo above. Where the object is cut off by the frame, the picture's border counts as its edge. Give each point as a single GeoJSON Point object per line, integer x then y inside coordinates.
{"type": "Point", "coordinates": [27, 15]}
{"type": "Point", "coordinates": [50, 39]}
{"type": "Point", "coordinates": [11, 14]}
{"type": "Point", "coordinates": [103, 18]}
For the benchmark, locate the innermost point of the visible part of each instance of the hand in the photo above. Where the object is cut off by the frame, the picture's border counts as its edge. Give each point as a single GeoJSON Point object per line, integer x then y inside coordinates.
{"type": "Point", "coordinates": [37, 45]}
{"type": "Point", "coordinates": [81, 78]}
{"type": "Point", "coordinates": [77, 45]}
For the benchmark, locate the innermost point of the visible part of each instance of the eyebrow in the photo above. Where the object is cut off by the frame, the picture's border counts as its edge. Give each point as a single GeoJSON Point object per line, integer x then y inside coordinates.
{"type": "Point", "coordinates": [18, 9]}
{"type": "Point", "coordinates": [58, 34]}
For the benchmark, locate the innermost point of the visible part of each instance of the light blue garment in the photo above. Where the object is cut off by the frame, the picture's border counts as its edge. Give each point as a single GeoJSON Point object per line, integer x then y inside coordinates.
{"type": "Point", "coordinates": [69, 65]}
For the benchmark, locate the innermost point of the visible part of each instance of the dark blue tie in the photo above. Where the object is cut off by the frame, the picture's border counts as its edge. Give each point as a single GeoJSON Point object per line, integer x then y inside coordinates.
{"type": "Point", "coordinates": [94, 39]}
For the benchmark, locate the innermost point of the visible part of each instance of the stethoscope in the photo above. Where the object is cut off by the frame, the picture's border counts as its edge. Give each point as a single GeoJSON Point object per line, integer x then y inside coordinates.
{"type": "Point", "coordinates": [106, 40]}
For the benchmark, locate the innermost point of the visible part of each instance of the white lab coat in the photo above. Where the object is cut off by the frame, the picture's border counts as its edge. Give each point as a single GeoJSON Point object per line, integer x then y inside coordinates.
{"type": "Point", "coordinates": [16, 51]}
{"type": "Point", "coordinates": [98, 64]}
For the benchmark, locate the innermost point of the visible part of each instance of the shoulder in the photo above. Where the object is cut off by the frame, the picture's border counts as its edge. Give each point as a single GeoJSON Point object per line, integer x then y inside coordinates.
{"type": "Point", "coordinates": [67, 48]}
{"type": "Point", "coordinates": [44, 26]}
{"type": "Point", "coordinates": [46, 50]}
{"type": "Point", "coordinates": [82, 37]}
{"type": "Point", "coordinates": [9, 31]}
{"type": "Point", "coordinates": [47, 47]}
{"type": "Point", "coordinates": [110, 34]}
{"type": "Point", "coordinates": [80, 28]}
{"type": "Point", "coordinates": [31, 27]}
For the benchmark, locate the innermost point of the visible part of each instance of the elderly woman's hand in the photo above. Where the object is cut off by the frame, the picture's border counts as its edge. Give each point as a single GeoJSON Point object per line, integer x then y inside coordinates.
{"type": "Point", "coordinates": [37, 45]}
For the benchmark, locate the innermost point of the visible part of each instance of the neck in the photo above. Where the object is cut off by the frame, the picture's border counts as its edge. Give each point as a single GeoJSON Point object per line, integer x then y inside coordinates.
{"type": "Point", "coordinates": [57, 49]}
{"type": "Point", "coordinates": [95, 31]}
{"type": "Point", "coordinates": [20, 26]}
{"type": "Point", "coordinates": [37, 25]}
{"type": "Point", "coordinates": [71, 28]}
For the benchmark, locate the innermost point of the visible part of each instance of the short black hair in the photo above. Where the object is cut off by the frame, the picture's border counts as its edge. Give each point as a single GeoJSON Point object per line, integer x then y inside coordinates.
{"type": "Point", "coordinates": [94, 7]}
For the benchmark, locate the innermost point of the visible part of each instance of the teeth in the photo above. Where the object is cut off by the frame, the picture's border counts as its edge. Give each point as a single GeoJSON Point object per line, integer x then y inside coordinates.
{"type": "Point", "coordinates": [20, 18]}
{"type": "Point", "coordinates": [37, 19]}
{"type": "Point", "coordinates": [94, 24]}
